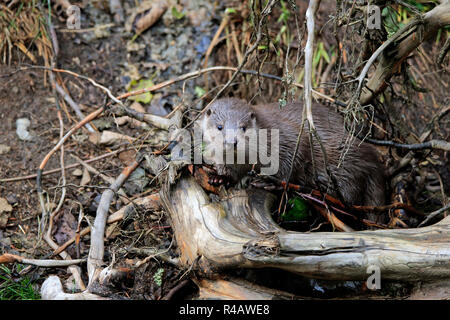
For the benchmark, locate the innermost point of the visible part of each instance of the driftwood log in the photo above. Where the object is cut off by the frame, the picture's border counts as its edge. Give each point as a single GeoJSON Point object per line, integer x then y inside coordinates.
{"type": "Point", "coordinates": [237, 232]}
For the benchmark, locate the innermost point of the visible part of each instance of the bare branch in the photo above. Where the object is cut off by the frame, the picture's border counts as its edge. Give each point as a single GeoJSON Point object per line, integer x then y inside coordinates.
{"type": "Point", "coordinates": [309, 52]}
{"type": "Point", "coordinates": [424, 26]}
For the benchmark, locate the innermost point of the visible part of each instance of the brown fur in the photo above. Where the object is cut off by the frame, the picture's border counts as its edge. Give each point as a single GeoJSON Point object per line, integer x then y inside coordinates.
{"type": "Point", "coordinates": [359, 179]}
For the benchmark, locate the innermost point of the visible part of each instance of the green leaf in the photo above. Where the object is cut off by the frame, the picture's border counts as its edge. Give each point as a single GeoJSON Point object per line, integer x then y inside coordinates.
{"type": "Point", "coordinates": [177, 14]}
{"type": "Point", "coordinates": [230, 10]}
{"type": "Point", "coordinates": [285, 13]}
{"type": "Point", "coordinates": [324, 52]}
{"type": "Point", "coordinates": [316, 58]}
{"type": "Point", "coordinates": [298, 210]}
{"type": "Point", "coordinates": [138, 85]}
{"type": "Point", "coordinates": [199, 91]}
{"type": "Point", "coordinates": [390, 20]}
{"type": "Point", "coordinates": [157, 277]}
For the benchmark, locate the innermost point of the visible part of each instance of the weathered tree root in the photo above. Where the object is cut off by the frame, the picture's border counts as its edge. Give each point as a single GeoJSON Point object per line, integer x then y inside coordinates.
{"type": "Point", "coordinates": [238, 232]}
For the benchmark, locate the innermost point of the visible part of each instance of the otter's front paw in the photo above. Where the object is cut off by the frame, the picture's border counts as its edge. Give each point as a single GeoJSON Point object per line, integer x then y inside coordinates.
{"type": "Point", "coordinates": [218, 180]}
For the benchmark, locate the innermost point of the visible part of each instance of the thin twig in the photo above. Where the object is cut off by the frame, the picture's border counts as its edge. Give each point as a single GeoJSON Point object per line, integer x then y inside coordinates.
{"type": "Point", "coordinates": [309, 52]}
{"type": "Point", "coordinates": [407, 28]}
{"type": "Point", "coordinates": [434, 214]}
{"type": "Point", "coordinates": [11, 258]}
{"type": "Point", "coordinates": [74, 105]}
{"type": "Point", "coordinates": [432, 144]}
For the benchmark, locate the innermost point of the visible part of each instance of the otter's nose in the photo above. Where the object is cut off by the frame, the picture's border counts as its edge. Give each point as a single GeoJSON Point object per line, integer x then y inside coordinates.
{"type": "Point", "coordinates": [231, 141]}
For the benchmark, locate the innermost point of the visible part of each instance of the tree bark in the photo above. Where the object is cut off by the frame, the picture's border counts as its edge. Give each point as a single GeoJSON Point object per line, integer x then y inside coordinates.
{"type": "Point", "coordinates": [238, 232]}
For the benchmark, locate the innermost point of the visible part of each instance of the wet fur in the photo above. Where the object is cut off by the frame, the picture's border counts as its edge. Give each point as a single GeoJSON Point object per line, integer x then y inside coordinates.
{"type": "Point", "coordinates": [360, 178]}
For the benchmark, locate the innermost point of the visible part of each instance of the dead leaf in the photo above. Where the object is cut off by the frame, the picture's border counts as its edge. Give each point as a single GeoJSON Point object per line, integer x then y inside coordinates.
{"type": "Point", "coordinates": [150, 18]}
{"type": "Point", "coordinates": [5, 206]}
{"type": "Point", "coordinates": [3, 220]}
{"type": "Point", "coordinates": [65, 227]}
{"type": "Point", "coordinates": [4, 148]}
{"type": "Point", "coordinates": [127, 157]}
{"type": "Point", "coordinates": [86, 178]}
{"type": "Point", "coordinates": [138, 107]}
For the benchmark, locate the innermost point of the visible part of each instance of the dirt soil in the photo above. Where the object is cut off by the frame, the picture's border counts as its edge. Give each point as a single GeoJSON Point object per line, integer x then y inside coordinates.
{"type": "Point", "coordinates": [168, 49]}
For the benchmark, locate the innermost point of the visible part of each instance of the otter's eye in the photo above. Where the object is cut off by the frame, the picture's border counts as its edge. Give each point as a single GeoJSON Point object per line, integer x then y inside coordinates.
{"type": "Point", "coordinates": [243, 128]}
{"type": "Point", "coordinates": [219, 127]}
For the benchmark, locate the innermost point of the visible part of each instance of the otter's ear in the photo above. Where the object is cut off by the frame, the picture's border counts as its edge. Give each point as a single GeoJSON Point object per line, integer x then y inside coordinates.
{"type": "Point", "coordinates": [208, 112]}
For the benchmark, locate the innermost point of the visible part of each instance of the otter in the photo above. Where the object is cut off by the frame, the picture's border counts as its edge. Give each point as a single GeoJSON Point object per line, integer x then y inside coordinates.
{"type": "Point", "coordinates": [357, 179]}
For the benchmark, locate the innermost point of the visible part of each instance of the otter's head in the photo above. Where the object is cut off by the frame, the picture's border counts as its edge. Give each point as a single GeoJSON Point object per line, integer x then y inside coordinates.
{"type": "Point", "coordinates": [229, 118]}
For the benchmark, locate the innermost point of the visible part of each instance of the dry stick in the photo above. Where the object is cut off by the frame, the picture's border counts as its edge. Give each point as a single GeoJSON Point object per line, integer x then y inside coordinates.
{"type": "Point", "coordinates": [395, 205]}
{"type": "Point", "coordinates": [236, 44]}
{"type": "Point", "coordinates": [71, 166]}
{"type": "Point", "coordinates": [63, 170]}
{"type": "Point", "coordinates": [388, 64]}
{"type": "Point", "coordinates": [427, 25]}
{"type": "Point", "coordinates": [40, 192]}
{"type": "Point", "coordinates": [335, 203]}
{"type": "Point", "coordinates": [108, 179]}
{"type": "Point", "coordinates": [407, 28]}
{"type": "Point", "coordinates": [48, 236]}
{"type": "Point", "coordinates": [213, 43]}
{"type": "Point", "coordinates": [325, 211]}
{"type": "Point", "coordinates": [443, 52]}
{"type": "Point", "coordinates": [75, 272]}
{"type": "Point", "coordinates": [96, 251]}
{"type": "Point", "coordinates": [432, 144]}
{"type": "Point", "coordinates": [116, 216]}
{"type": "Point", "coordinates": [309, 52]}
{"type": "Point", "coordinates": [89, 118]}
{"type": "Point", "coordinates": [175, 289]}
{"type": "Point", "coordinates": [434, 214]}
{"type": "Point", "coordinates": [183, 77]}
{"type": "Point", "coordinates": [307, 112]}
{"type": "Point", "coordinates": [74, 105]}
{"type": "Point", "coordinates": [93, 170]}
{"type": "Point", "coordinates": [52, 289]}
{"type": "Point", "coordinates": [55, 47]}
{"type": "Point", "coordinates": [335, 222]}
{"type": "Point", "coordinates": [11, 258]}
{"type": "Point", "coordinates": [436, 144]}
{"type": "Point", "coordinates": [426, 133]}
{"type": "Point", "coordinates": [172, 81]}
{"type": "Point", "coordinates": [97, 27]}
{"type": "Point", "coordinates": [76, 75]}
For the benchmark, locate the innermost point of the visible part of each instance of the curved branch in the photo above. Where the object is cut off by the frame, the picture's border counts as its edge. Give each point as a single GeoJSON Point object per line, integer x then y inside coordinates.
{"type": "Point", "coordinates": [392, 56]}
